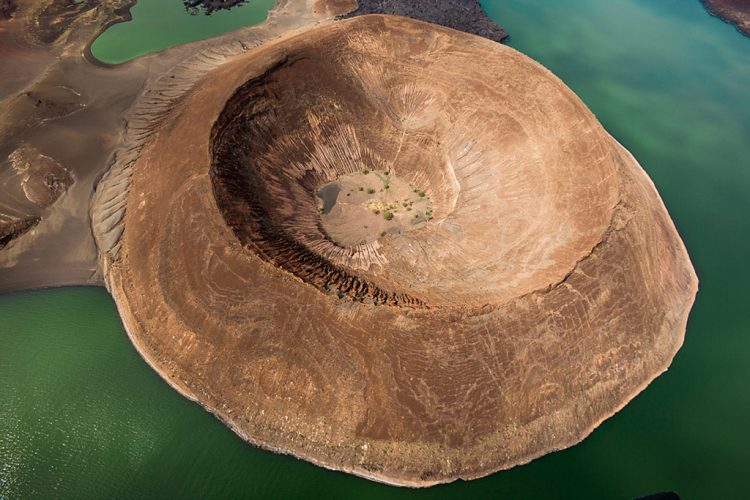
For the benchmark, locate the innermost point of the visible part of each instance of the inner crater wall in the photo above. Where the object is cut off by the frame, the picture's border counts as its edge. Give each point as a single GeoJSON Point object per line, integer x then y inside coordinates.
{"type": "Point", "coordinates": [499, 158]}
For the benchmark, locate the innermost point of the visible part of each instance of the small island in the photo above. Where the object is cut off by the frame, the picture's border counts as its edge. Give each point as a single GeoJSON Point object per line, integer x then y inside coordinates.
{"type": "Point", "coordinates": [462, 15]}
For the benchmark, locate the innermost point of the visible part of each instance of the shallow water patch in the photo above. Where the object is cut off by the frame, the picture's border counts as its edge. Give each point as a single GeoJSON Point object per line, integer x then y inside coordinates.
{"type": "Point", "coordinates": [159, 24]}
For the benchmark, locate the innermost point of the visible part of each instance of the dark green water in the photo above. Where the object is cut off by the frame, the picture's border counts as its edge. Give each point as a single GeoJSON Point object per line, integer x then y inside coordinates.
{"type": "Point", "coordinates": [158, 24]}
{"type": "Point", "coordinates": [81, 416]}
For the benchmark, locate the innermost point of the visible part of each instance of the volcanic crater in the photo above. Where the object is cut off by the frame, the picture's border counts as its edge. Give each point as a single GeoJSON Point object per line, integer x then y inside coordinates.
{"type": "Point", "coordinates": [543, 288]}
{"type": "Point", "coordinates": [314, 117]}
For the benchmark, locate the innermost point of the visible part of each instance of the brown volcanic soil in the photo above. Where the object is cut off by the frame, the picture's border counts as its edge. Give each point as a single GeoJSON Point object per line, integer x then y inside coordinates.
{"type": "Point", "coordinates": [736, 12]}
{"type": "Point", "coordinates": [549, 288]}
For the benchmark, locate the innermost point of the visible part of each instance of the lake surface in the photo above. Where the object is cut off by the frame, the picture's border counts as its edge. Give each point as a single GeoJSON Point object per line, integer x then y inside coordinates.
{"type": "Point", "coordinates": [158, 24]}
{"type": "Point", "coordinates": [82, 416]}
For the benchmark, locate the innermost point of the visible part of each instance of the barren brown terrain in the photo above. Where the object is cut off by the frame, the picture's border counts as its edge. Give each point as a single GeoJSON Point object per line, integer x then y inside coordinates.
{"type": "Point", "coordinates": [548, 288]}
{"type": "Point", "coordinates": [60, 120]}
{"type": "Point", "coordinates": [736, 12]}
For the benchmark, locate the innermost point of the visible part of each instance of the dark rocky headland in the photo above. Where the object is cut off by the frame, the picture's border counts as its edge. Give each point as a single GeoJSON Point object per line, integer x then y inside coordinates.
{"type": "Point", "coordinates": [461, 15]}
{"type": "Point", "coordinates": [736, 12]}
{"type": "Point", "coordinates": [210, 6]}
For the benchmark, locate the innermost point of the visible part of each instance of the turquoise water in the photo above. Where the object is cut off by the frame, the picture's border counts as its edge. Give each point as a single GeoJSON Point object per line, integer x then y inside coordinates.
{"type": "Point", "coordinates": [158, 24]}
{"type": "Point", "coordinates": [81, 416]}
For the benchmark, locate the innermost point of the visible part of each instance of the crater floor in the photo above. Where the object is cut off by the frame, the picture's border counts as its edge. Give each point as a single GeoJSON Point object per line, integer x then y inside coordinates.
{"type": "Point", "coordinates": [362, 207]}
{"type": "Point", "coordinates": [544, 288]}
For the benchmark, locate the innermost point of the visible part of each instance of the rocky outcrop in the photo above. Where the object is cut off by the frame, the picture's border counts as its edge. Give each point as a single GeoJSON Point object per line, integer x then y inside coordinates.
{"type": "Point", "coordinates": [208, 7]}
{"type": "Point", "coordinates": [462, 15]}
{"type": "Point", "coordinates": [7, 8]}
{"type": "Point", "coordinates": [43, 180]}
{"type": "Point", "coordinates": [736, 12]}
{"type": "Point", "coordinates": [554, 286]}
{"type": "Point", "coordinates": [10, 230]}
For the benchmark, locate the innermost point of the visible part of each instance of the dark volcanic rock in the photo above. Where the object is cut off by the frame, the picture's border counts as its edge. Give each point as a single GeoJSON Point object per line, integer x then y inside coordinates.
{"type": "Point", "coordinates": [548, 289]}
{"type": "Point", "coordinates": [54, 19]}
{"type": "Point", "coordinates": [7, 8]}
{"type": "Point", "coordinates": [735, 12]}
{"type": "Point", "coordinates": [210, 6]}
{"type": "Point", "coordinates": [11, 230]}
{"type": "Point", "coordinates": [661, 496]}
{"type": "Point", "coordinates": [462, 15]}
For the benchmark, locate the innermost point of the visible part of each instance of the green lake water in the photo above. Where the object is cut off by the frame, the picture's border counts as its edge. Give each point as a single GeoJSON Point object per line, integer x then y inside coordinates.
{"type": "Point", "coordinates": [82, 416]}
{"type": "Point", "coordinates": [158, 24]}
